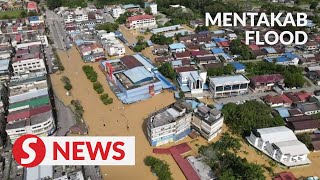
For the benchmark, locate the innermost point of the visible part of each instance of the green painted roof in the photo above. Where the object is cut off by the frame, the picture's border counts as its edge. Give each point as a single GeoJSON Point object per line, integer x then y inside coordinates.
{"type": "Point", "coordinates": [31, 102]}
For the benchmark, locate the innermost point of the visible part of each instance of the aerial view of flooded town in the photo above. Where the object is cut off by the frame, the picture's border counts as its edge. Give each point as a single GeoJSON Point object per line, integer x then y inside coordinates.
{"type": "Point", "coordinates": [204, 102]}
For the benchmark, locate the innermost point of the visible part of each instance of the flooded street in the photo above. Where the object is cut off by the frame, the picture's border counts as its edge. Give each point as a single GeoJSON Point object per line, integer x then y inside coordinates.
{"type": "Point", "coordinates": [116, 117]}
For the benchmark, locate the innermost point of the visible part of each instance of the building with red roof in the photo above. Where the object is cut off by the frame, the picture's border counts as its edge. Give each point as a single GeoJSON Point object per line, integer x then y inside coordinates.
{"type": "Point", "coordinates": [200, 53]}
{"type": "Point", "coordinates": [253, 47]}
{"type": "Point", "coordinates": [141, 21]}
{"type": "Point", "coordinates": [266, 82]}
{"type": "Point", "coordinates": [182, 55]}
{"type": "Point", "coordinates": [285, 176]}
{"type": "Point", "coordinates": [176, 152]}
{"type": "Point", "coordinates": [32, 7]}
{"type": "Point", "coordinates": [223, 44]}
{"type": "Point", "coordinates": [278, 100]}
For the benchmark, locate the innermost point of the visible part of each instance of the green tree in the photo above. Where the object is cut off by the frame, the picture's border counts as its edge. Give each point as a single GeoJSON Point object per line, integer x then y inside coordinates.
{"type": "Point", "coordinates": [167, 70]}
{"type": "Point", "coordinates": [305, 138]}
{"type": "Point", "coordinates": [140, 39]}
{"type": "Point", "coordinates": [201, 28]}
{"type": "Point", "coordinates": [23, 14]}
{"type": "Point", "coordinates": [243, 118]}
{"type": "Point", "coordinates": [109, 27]}
{"type": "Point", "coordinates": [236, 47]}
{"type": "Point", "coordinates": [68, 86]}
{"type": "Point", "coordinates": [74, 3]}
{"type": "Point", "coordinates": [159, 167]}
{"type": "Point", "coordinates": [219, 71]}
{"type": "Point", "coordinates": [123, 18]}
{"type": "Point", "coordinates": [52, 4]}
{"type": "Point", "coordinates": [221, 158]}
{"type": "Point", "coordinates": [147, 10]}
{"type": "Point", "coordinates": [32, 13]}
{"type": "Point", "coordinates": [161, 39]}
{"type": "Point", "coordinates": [314, 5]}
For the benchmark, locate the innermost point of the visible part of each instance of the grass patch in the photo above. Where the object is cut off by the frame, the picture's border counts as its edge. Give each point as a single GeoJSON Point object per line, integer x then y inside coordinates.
{"type": "Point", "coordinates": [10, 14]}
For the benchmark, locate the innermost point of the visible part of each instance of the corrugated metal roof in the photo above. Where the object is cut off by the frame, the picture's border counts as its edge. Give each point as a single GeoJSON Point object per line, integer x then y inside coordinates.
{"type": "Point", "coordinates": [237, 65]}
{"type": "Point", "coordinates": [138, 74]}
{"type": "Point", "coordinates": [293, 147]}
{"type": "Point", "coordinates": [225, 80]}
{"type": "Point", "coordinates": [177, 46]}
{"type": "Point", "coordinates": [28, 95]}
{"type": "Point", "coordinates": [31, 103]}
{"type": "Point", "coordinates": [277, 134]}
{"type": "Point", "coordinates": [130, 62]}
{"type": "Point", "coordinates": [217, 50]}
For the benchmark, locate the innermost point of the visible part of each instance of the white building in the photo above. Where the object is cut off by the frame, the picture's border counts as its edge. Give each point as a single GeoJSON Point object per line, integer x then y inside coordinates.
{"type": "Point", "coordinates": [192, 81]}
{"type": "Point", "coordinates": [141, 21]}
{"type": "Point", "coordinates": [68, 18]}
{"type": "Point", "coordinates": [169, 125]}
{"type": "Point", "coordinates": [80, 15]}
{"type": "Point", "coordinates": [177, 47]}
{"type": "Point", "coordinates": [153, 7]}
{"type": "Point", "coordinates": [117, 49]}
{"type": "Point", "coordinates": [117, 11]}
{"type": "Point", "coordinates": [39, 172]}
{"type": "Point", "coordinates": [232, 36]}
{"type": "Point", "coordinates": [25, 65]}
{"type": "Point", "coordinates": [208, 122]}
{"type": "Point", "coordinates": [111, 44]}
{"type": "Point", "coordinates": [177, 120]}
{"type": "Point", "coordinates": [38, 124]}
{"type": "Point", "coordinates": [280, 144]}
{"type": "Point", "coordinates": [224, 86]}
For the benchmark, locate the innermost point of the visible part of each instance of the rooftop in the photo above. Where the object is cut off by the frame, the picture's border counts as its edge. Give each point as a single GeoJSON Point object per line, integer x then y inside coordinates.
{"type": "Point", "coordinates": [177, 46]}
{"type": "Point", "coordinates": [293, 147]}
{"type": "Point", "coordinates": [140, 17]}
{"type": "Point", "coordinates": [272, 78]}
{"type": "Point", "coordinates": [167, 115]}
{"type": "Point", "coordinates": [227, 80]}
{"type": "Point", "coordinates": [276, 134]}
{"type": "Point", "coordinates": [138, 74]}
{"type": "Point", "coordinates": [29, 88]}
{"type": "Point", "coordinates": [35, 102]}
{"type": "Point", "coordinates": [36, 119]}
{"type": "Point", "coordinates": [238, 65]}
{"type": "Point", "coordinates": [27, 113]}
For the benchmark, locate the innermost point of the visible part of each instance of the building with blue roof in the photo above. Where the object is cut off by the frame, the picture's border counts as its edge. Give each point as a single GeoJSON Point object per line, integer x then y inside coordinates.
{"type": "Point", "coordinates": [33, 20]}
{"type": "Point", "coordinates": [138, 75]}
{"type": "Point", "coordinates": [217, 51]}
{"type": "Point", "coordinates": [216, 40]}
{"type": "Point", "coordinates": [239, 67]}
{"type": "Point", "coordinates": [288, 58]}
{"type": "Point", "coordinates": [283, 112]}
{"type": "Point", "coordinates": [226, 57]}
{"type": "Point", "coordinates": [210, 46]}
{"type": "Point", "coordinates": [134, 78]}
{"type": "Point", "coordinates": [177, 47]}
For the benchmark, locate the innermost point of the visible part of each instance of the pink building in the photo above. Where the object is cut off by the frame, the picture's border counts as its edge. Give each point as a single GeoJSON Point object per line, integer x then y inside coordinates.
{"type": "Point", "coordinates": [32, 7]}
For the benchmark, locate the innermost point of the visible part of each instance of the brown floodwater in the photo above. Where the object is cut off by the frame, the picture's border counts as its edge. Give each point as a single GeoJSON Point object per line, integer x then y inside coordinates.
{"type": "Point", "coordinates": [117, 117]}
